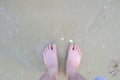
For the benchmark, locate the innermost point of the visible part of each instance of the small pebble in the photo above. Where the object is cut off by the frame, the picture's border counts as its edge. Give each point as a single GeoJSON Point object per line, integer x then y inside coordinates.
{"type": "Point", "coordinates": [71, 41]}
{"type": "Point", "coordinates": [62, 38]}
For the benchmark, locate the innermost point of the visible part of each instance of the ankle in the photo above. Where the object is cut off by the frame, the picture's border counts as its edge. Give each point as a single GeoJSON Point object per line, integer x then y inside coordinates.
{"type": "Point", "coordinates": [53, 71]}
{"type": "Point", "coordinates": [70, 71]}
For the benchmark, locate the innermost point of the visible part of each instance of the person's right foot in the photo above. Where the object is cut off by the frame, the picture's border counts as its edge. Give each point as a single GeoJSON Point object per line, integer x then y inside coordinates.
{"type": "Point", "coordinates": [73, 59]}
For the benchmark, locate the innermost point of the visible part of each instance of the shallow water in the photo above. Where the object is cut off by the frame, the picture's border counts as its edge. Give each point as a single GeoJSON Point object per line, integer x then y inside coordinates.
{"type": "Point", "coordinates": [27, 26]}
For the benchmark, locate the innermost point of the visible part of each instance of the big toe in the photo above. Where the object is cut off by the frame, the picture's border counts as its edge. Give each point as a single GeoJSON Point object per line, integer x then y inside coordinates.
{"type": "Point", "coordinates": [53, 46]}
{"type": "Point", "coordinates": [49, 46]}
{"type": "Point", "coordinates": [70, 46]}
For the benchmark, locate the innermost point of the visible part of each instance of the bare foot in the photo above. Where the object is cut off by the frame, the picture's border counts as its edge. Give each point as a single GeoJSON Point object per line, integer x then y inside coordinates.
{"type": "Point", "coordinates": [50, 59]}
{"type": "Point", "coordinates": [73, 59]}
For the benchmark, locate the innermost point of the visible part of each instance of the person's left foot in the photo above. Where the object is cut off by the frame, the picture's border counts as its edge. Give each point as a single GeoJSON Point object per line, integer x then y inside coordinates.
{"type": "Point", "coordinates": [50, 58]}
{"type": "Point", "coordinates": [73, 59]}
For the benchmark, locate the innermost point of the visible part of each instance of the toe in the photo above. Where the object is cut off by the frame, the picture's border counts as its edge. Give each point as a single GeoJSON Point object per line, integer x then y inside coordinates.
{"type": "Point", "coordinates": [43, 53]}
{"type": "Point", "coordinates": [81, 53]}
{"type": "Point", "coordinates": [49, 46]}
{"type": "Point", "coordinates": [75, 46]}
{"type": "Point", "coordinates": [71, 47]}
{"type": "Point", "coordinates": [53, 46]}
{"type": "Point", "coordinates": [78, 47]}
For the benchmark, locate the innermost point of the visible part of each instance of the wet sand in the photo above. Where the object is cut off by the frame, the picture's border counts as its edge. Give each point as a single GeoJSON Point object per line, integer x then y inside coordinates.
{"type": "Point", "coordinates": [27, 26]}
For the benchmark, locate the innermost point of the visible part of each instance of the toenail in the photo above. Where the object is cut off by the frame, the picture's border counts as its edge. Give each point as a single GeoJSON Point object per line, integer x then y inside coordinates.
{"type": "Point", "coordinates": [73, 48]}
{"type": "Point", "coordinates": [51, 48]}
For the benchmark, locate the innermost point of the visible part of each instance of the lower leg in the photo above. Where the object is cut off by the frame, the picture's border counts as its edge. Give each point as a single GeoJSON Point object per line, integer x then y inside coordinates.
{"type": "Point", "coordinates": [72, 74]}
{"type": "Point", "coordinates": [76, 76]}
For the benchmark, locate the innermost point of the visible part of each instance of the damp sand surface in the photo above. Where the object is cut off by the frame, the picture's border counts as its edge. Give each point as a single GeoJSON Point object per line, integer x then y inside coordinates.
{"type": "Point", "coordinates": [27, 26]}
